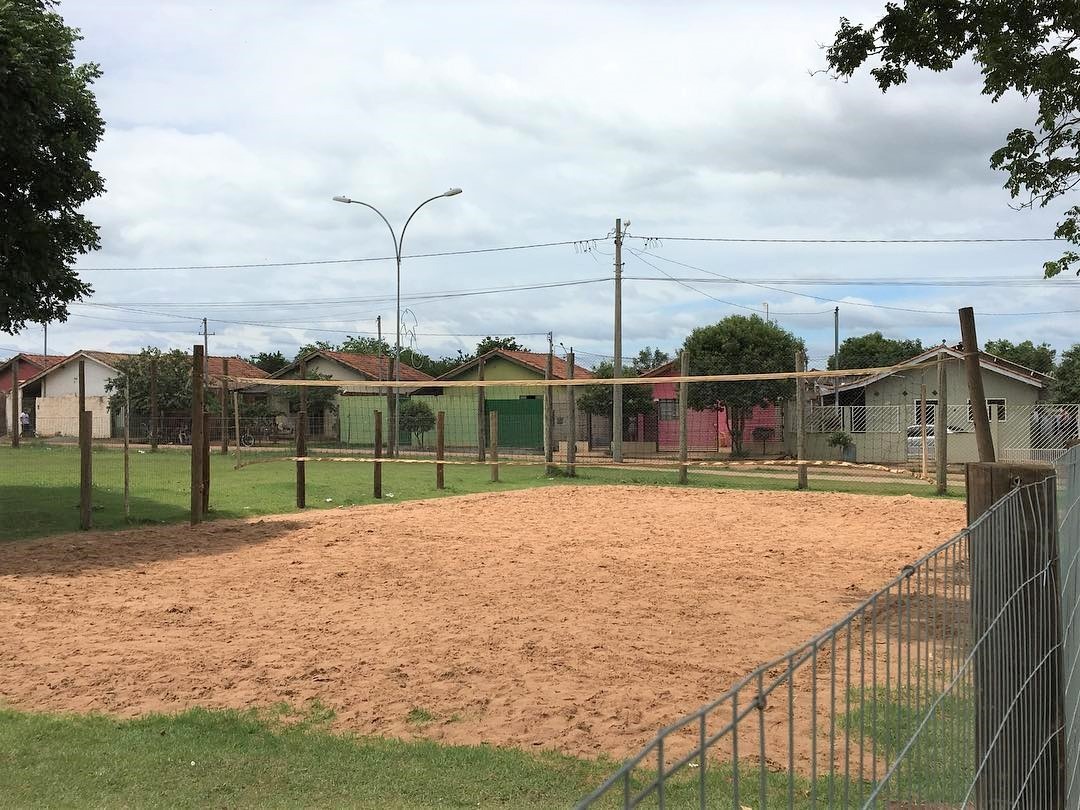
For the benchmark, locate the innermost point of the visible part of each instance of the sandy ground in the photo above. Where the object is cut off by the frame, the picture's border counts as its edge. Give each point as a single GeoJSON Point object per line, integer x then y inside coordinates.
{"type": "Point", "coordinates": [580, 619]}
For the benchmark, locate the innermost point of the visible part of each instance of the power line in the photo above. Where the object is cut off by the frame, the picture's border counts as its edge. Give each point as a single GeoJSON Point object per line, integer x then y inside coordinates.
{"type": "Point", "coordinates": [583, 243]}
{"type": "Point", "coordinates": [827, 241]}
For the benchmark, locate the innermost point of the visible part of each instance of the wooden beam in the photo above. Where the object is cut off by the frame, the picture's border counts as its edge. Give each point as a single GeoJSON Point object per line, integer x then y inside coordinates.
{"type": "Point", "coordinates": [983, 439]}
{"type": "Point", "coordinates": [197, 482]}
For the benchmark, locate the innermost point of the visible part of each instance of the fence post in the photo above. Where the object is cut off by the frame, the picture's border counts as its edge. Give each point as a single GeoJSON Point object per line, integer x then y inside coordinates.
{"type": "Point", "coordinates": [155, 428]}
{"type": "Point", "coordinates": [196, 434]}
{"type": "Point", "coordinates": [549, 414]}
{"type": "Point", "coordinates": [301, 442]}
{"type": "Point", "coordinates": [1017, 668]}
{"type": "Point", "coordinates": [941, 429]}
{"type": "Point", "coordinates": [236, 421]}
{"type": "Point", "coordinates": [16, 424]}
{"type": "Point", "coordinates": [800, 420]}
{"type": "Point", "coordinates": [127, 449]}
{"type": "Point", "coordinates": [224, 406]}
{"type": "Point", "coordinates": [86, 438]}
{"type": "Point", "coordinates": [571, 418]}
{"type": "Point", "coordinates": [493, 435]}
{"type": "Point", "coordinates": [440, 448]}
{"type": "Point", "coordinates": [922, 428]}
{"type": "Point", "coordinates": [976, 394]}
{"type": "Point", "coordinates": [481, 453]}
{"type": "Point", "coordinates": [684, 371]}
{"type": "Point", "coordinates": [206, 462]}
{"type": "Point", "coordinates": [378, 454]}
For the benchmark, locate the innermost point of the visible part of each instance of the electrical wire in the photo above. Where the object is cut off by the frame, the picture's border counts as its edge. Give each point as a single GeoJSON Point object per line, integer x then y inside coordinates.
{"type": "Point", "coordinates": [826, 241]}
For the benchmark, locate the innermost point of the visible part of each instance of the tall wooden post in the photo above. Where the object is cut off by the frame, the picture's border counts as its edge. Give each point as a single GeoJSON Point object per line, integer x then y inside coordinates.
{"type": "Point", "coordinates": [800, 420]}
{"type": "Point", "coordinates": [127, 449]}
{"type": "Point", "coordinates": [941, 427]}
{"type": "Point", "coordinates": [378, 454]}
{"type": "Point", "coordinates": [224, 406]}
{"type": "Point", "coordinates": [440, 448]}
{"type": "Point", "coordinates": [236, 421]}
{"type": "Point", "coordinates": [481, 418]}
{"type": "Point", "coordinates": [1017, 624]}
{"type": "Point", "coordinates": [206, 420]}
{"type": "Point", "coordinates": [973, 369]}
{"type": "Point", "coordinates": [16, 423]}
{"type": "Point", "coordinates": [86, 438]}
{"type": "Point", "coordinates": [155, 427]}
{"type": "Point", "coordinates": [549, 413]}
{"type": "Point", "coordinates": [493, 436]}
{"type": "Point", "coordinates": [571, 418]}
{"type": "Point", "coordinates": [301, 442]}
{"type": "Point", "coordinates": [684, 448]}
{"type": "Point", "coordinates": [197, 482]}
{"type": "Point", "coordinates": [922, 429]}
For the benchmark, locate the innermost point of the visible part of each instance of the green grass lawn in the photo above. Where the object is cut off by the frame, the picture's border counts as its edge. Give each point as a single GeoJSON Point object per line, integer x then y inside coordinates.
{"type": "Point", "coordinates": [39, 490]}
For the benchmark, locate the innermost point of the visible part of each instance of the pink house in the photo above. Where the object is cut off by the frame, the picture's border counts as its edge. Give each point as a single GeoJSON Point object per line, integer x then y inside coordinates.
{"type": "Point", "coordinates": [707, 431]}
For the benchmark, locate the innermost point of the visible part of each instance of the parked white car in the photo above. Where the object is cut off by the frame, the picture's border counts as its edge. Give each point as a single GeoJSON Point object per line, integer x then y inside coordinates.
{"type": "Point", "coordinates": [914, 440]}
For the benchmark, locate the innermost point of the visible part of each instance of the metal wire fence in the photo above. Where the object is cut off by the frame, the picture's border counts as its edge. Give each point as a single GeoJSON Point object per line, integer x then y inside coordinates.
{"type": "Point", "coordinates": [942, 689]}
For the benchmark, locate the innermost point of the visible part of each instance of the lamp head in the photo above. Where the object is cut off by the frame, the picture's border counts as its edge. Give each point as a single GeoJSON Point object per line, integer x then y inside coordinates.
{"type": "Point", "coordinates": [342, 198]}
{"type": "Point", "coordinates": [451, 192]}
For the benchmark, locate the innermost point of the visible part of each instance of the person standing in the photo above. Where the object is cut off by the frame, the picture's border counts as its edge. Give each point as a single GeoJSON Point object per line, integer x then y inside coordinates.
{"type": "Point", "coordinates": [24, 423]}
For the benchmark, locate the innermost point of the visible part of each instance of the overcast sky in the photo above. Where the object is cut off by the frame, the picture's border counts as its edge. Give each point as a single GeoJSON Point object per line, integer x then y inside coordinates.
{"type": "Point", "coordinates": [229, 127]}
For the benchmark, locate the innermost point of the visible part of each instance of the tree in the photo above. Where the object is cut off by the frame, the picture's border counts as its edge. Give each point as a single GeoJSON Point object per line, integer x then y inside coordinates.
{"type": "Point", "coordinates": [366, 345]}
{"type": "Point", "coordinates": [489, 343]}
{"type": "Point", "coordinates": [598, 400]}
{"type": "Point", "coordinates": [317, 346]}
{"type": "Point", "coordinates": [49, 126]}
{"type": "Point", "coordinates": [173, 383]}
{"type": "Point", "coordinates": [1027, 354]}
{"type": "Point", "coordinates": [875, 350]}
{"type": "Point", "coordinates": [1067, 383]}
{"type": "Point", "coordinates": [740, 345]}
{"type": "Point", "coordinates": [269, 361]}
{"type": "Point", "coordinates": [1028, 47]}
{"type": "Point", "coordinates": [417, 418]}
{"type": "Point", "coordinates": [319, 398]}
{"type": "Point", "coordinates": [646, 360]}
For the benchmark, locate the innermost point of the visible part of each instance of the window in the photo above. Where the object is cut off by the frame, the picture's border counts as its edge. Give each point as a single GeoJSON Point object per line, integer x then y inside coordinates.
{"type": "Point", "coordinates": [990, 403]}
{"type": "Point", "coordinates": [669, 410]}
{"type": "Point", "coordinates": [931, 409]}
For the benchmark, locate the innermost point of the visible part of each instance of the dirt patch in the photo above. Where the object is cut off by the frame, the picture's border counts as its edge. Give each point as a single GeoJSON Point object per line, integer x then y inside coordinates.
{"type": "Point", "coordinates": [575, 618]}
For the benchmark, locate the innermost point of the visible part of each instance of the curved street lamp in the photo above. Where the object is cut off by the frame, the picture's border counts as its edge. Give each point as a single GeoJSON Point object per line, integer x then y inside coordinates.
{"type": "Point", "coordinates": [398, 242]}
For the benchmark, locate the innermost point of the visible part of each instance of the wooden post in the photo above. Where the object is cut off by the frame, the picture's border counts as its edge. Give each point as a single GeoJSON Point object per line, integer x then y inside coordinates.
{"type": "Point", "coordinates": [493, 435]}
{"type": "Point", "coordinates": [197, 482]}
{"type": "Point", "coordinates": [800, 420]}
{"type": "Point", "coordinates": [86, 471]}
{"type": "Point", "coordinates": [301, 442]}
{"type": "Point", "coordinates": [684, 448]}
{"type": "Point", "coordinates": [236, 421]}
{"type": "Point", "coordinates": [440, 448]}
{"type": "Point", "coordinates": [224, 406]}
{"type": "Point", "coordinates": [378, 454]}
{"type": "Point", "coordinates": [206, 463]}
{"type": "Point", "coordinates": [16, 423]}
{"type": "Point", "coordinates": [549, 414]}
{"type": "Point", "coordinates": [155, 428]}
{"type": "Point", "coordinates": [127, 449]}
{"type": "Point", "coordinates": [976, 394]}
{"type": "Point", "coordinates": [481, 419]}
{"type": "Point", "coordinates": [571, 417]}
{"type": "Point", "coordinates": [922, 426]}
{"type": "Point", "coordinates": [1016, 621]}
{"type": "Point", "coordinates": [941, 427]}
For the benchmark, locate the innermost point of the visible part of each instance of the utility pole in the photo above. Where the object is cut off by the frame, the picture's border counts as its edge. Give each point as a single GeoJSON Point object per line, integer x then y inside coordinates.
{"type": "Point", "coordinates": [206, 350]}
{"type": "Point", "coordinates": [616, 390]}
{"type": "Point", "coordinates": [766, 305]}
{"type": "Point", "coordinates": [45, 350]}
{"type": "Point", "coordinates": [378, 327]}
{"type": "Point", "coordinates": [836, 357]}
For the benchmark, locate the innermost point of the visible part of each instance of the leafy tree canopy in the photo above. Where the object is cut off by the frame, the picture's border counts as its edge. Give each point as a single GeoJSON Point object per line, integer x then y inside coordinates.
{"type": "Point", "coordinates": [740, 345]}
{"type": "Point", "coordinates": [1067, 382]}
{"type": "Point", "coordinates": [173, 383]}
{"type": "Point", "coordinates": [488, 343]}
{"type": "Point", "coordinates": [366, 345]}
{"type": "Point", "coordinates": [1038, 358]}
{"type": "Point", "coordinates": [646, 360]}
{"type": "Point", "coordinates": [269, 361]}
{"type": "Point", "coordinates": [49, 126]}
{"type": "Point", "coordinates": [1028, 47]}
{"type": "Point", "coordinates": [598, 399]}
{"type": "Point", "coordinates": [417, 418]}
{"type": "Point", "coordinates": [874, 350]}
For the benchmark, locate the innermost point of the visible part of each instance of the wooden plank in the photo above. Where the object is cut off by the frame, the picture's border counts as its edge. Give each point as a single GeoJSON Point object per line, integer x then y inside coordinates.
{"type": "Point", "coordinates": [206, 463]}
{"type": "Point", "coordinates": [197, 482]}
{"type": "Point", "coordinates": [440, 449]}
{"type": "Point", "coordinates": [86, 469]}
{"type": "Point", "coordinates": [493, 436]}
{"type": "Point", "coordinates": [378, 455]}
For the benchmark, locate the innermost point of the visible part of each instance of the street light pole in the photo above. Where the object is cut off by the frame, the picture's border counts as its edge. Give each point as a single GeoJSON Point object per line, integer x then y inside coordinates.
{"type": "Point", "coordinates": [398, 242]}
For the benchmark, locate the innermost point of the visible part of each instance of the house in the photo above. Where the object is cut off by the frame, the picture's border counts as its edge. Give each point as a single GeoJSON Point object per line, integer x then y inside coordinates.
{"type": "Point", "coordinates": [350, 367]}
{"type": "Point", "coordinates": [707, 431]}
{"type": "Point", "coordinates": [29, 365]}
{"type": "Point", "coordinates": [52, 395]}
{"type": "Point", "coordinates": [882, 411]}
{"type": "Point", "coordinates": [520, 409]}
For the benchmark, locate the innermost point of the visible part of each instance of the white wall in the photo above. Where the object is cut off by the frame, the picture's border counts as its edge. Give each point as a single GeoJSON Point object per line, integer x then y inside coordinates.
{"type": "Point", "coordinates": [59, 415]}
{"type": "Point", "coordinates": [64, 380]}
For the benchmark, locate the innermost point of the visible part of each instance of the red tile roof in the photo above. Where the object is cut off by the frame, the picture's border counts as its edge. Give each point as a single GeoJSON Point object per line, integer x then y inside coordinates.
{"type": "Point", "coordinates": [238, 367]}
{"type": "Point", "coordinates": [373, 366]}
{"type": "Point", "coordinates": [536, 361]}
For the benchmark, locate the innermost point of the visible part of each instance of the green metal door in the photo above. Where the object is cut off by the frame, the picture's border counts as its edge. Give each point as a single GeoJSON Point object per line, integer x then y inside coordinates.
{"type": "Point", "coordinates": [521, 422]}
